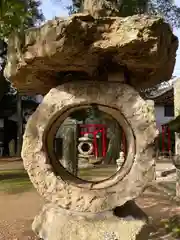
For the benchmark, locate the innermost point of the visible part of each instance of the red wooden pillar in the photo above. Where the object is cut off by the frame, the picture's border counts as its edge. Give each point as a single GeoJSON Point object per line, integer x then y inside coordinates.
{"type": "Point", "coordinates": [103, 141]}
{"type": "Point", "coordinates": [169, 139]}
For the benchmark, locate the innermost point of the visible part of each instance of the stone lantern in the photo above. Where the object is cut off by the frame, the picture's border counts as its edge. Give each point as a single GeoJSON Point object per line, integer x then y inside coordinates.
{"type": "Point", "coordinates": [120, 160]}
{"type": "Point", "coordinates": [76, 62]}
{"type": "Point", "coordinates": [85, 149]}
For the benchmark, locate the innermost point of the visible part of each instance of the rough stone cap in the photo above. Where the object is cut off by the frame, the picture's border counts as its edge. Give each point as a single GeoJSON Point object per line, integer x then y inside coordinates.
{"type": "Point", "coordinates": [143, 46]}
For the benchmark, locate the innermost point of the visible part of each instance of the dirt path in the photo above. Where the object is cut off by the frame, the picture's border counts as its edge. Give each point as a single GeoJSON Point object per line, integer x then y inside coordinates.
{"type": "Point", "coordinates": [18, 210]}
{"type": "Point", "coordinates": [158, 206]}
{"type": "Point", "coordinates": [17, 213]}
{"type": "Point", "coordinates": [15, 165]}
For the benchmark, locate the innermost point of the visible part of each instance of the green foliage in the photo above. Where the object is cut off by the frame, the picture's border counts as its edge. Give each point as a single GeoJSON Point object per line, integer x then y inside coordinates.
{"type": "Point", "coordinates": [174, 124]}
{"type": "Point", "coordinates": [76, 6]}
{"type": "Point", "coordinates": [165, 8]}
{"type": "Point", "coordinates": [168, 9]}
{"type": "Point", "coordinates": [131, 7]}
{"type": "Point", "coordinates": [14, 181]}
{"type": "Point", "coordinates": [172, 225]}
{"type": "Point", "coordinates": [15, 15]}
{"type": "Point", "coordinates": [18, 15]}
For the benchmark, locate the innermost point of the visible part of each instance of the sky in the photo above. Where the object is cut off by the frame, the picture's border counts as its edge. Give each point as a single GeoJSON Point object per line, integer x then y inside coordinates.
{"type": "Point", "coordinates": [52, 8]}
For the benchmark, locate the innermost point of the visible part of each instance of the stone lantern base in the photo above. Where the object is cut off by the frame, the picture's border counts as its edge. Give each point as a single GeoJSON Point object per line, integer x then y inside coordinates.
{"type": "Point", "coordinates": [127, 222]}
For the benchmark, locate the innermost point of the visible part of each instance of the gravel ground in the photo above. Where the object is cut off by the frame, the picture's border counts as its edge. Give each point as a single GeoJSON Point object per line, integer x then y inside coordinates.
{"type": "Point", "coordinates": [18, 210]}
{"type": "Point", "coordinates": [16, 215]}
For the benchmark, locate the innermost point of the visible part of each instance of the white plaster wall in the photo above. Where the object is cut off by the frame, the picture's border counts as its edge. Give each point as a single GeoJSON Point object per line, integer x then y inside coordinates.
{"type": "Point", "coordinates": [160, 118]}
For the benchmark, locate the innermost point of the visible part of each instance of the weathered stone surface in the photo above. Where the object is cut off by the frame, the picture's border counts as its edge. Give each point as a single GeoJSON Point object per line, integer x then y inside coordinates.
{"type": "Point", "coordinates": [56, 224]}
{"type": "Point", "coordinates": [141, 45]}
{"type": "Point", "coordinates": [60, 187]}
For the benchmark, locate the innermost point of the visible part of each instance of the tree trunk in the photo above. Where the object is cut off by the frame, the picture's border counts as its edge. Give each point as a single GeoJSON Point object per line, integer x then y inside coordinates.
{"type": "Point", "coordinates": [67, 132]}
{"type": "Point", "coordinates": [5, 142]}
{"type": "Point", "coordinates": [114, 134]}
{"type": "Point", "coordinates": [69, 150]}
{"type": "Point", "coordinates": [120, 8]}
{"type": "Point", "coordinates": [102, 8]}
{"type": "Point", "coordinates": [20, 125]}
{"type": "Point", "coordinates": [3, 82]}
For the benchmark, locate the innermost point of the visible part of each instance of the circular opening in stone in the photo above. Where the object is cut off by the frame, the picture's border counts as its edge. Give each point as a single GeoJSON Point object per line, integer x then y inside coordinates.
{"type": "Point", "coordinates": [85, 147]}
{"type": "Point", "coordinates": [90, 144]}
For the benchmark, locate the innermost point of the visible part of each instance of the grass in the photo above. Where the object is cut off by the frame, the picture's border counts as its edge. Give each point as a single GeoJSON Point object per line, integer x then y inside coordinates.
{"type": "Point", "coordinates": [99, 172]}
{"type": "Point", "coordinates": [17, 181]}
{"type": "Point", "coordinates": [169, 186]}
{"type": "Point", "coordinates": [14, 181]}
{"type": "Point", "coordinates": [172, 226]}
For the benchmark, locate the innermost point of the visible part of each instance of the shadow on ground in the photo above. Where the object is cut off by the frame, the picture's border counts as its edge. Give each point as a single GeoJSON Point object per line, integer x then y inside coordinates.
{"type": "Point", "coordinates": [164, 212]}
{"type": "Point", "coordinates": [8, 176]}
{"type": "Point", "coordinates": [14, 181]}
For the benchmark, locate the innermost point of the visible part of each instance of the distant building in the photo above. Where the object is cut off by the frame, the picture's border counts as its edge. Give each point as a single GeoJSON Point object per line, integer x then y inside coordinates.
{"type": "Point", "coordinates": [11, 122]}
{"type": "Point", "coordinates": [163, 97]}
{"type": "Point", "coordinates": [164, 108]}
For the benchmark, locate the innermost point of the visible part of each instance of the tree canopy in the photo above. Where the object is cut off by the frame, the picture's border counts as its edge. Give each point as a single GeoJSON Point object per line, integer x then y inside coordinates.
{"type": "Point", "coordinates": [18, 15]}
{"type": "Point", "coordinates": [166, 8]}
{"type": "Point", "coordinates": [14, 16]}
